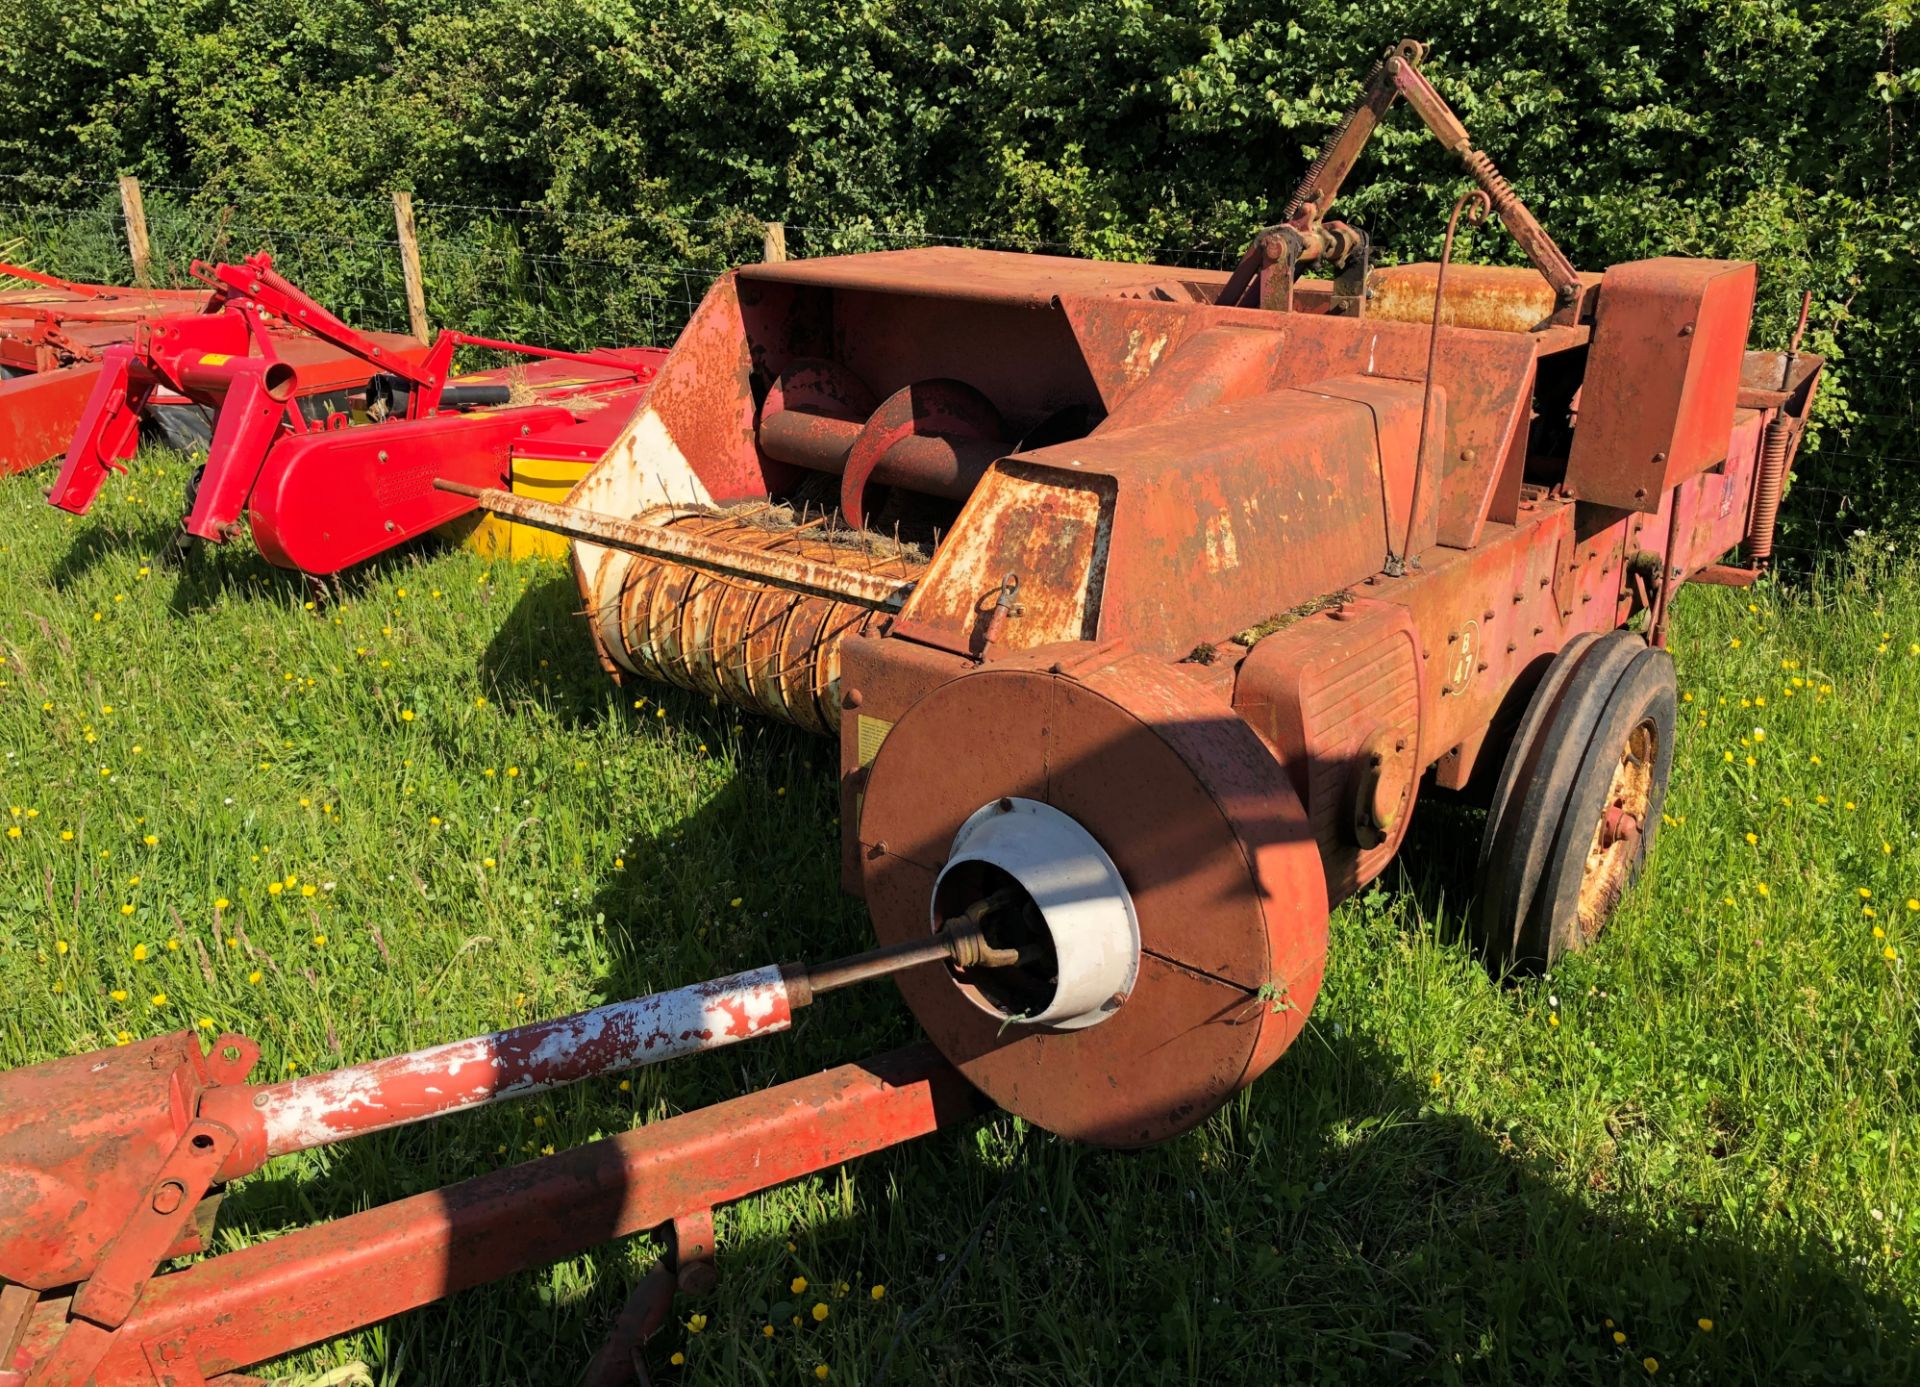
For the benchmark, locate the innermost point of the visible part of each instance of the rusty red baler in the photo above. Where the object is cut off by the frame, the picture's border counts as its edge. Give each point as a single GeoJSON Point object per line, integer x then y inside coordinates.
{"type": "Point", "coordinates": [1144, 604]}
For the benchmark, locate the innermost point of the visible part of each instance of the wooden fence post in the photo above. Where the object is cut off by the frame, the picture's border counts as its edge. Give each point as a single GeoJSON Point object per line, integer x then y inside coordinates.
{"type": "Point", "coordinates": [410, 264]}
{"type": "Point", "coordinates": [218, 250]}
{"type": "Point", "coordinates": [135, 210]}
{"type": "Point", "coordinates": [775, 245]}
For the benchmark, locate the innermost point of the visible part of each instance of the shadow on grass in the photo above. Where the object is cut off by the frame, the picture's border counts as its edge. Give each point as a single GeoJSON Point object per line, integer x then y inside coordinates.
{"type": "Point", "coordinates": [543, 652]}
{"type": "Point", "coordinates": [1332, 1224]}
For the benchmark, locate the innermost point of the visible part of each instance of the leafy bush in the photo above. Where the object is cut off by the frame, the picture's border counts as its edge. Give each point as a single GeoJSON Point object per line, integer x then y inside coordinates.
{"type": "Point", "coordinates": [584, 165]}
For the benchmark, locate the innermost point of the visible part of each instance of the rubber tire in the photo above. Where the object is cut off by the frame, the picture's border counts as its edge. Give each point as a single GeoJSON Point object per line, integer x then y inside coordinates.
{"type": "Point", "coordinates": [1538, 826]}
{"type": "Point", "coordinates": [1646, 692]}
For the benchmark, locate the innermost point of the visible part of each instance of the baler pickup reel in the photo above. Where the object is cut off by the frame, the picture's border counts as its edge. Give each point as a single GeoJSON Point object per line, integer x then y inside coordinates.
{"type": "Point", "coordinates": [322, 491]}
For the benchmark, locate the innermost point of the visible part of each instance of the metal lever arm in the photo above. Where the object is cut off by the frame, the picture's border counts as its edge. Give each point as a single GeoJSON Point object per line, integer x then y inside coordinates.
{"type": "Point", "coordinates": [1397, 74]}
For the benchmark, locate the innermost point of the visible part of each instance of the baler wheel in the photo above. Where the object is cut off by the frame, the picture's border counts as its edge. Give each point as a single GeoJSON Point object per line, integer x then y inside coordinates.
{"type": "Point", "coordinates": [1578, 802]}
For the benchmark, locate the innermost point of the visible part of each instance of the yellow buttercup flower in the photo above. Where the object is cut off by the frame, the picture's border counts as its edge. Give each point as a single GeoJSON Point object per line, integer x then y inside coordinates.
{"type": "Point", "coordinates": [797, 1285]}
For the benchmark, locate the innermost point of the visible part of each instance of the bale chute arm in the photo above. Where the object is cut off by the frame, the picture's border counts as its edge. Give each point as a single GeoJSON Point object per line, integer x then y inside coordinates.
{"type": "Point", "coordinates": [1304, 234]}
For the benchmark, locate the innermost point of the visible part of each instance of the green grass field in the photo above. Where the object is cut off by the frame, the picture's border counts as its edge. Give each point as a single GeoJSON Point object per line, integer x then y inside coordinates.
{"type": "Point", "coordinates": [424, 812]}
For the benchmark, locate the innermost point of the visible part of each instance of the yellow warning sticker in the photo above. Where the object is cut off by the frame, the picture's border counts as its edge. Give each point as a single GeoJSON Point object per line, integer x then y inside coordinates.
{"type": "Point", "coordinates": [215, 358]}
{"type": "Point", "coordinates": [872, 732]}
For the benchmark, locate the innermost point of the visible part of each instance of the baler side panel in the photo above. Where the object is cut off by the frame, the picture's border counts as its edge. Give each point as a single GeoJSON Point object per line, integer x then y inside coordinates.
{"type": "Point", "coordinates": [1052, 528]}
{"type": "Point", "coordinates": [1224, 519]}
{"type": "Point", "coordinates": [1657, 404]}
{"type": "Point", "coordinates": [1487, 378]}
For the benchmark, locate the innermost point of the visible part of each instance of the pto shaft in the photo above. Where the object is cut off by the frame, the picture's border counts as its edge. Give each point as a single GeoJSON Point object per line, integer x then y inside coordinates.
{"type": "Point", "coordinates": [320, 1109]}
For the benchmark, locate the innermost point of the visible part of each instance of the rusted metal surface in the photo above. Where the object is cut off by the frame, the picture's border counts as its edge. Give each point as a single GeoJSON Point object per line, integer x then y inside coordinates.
{"type": "Point", "coordinates": [1271, 502]}
{"type": "Point", "coordinates": [264, 1301]}
{"type": "Point", "coordinates": [1475, 204]}
{"type": "Point", "coordinates": [1662, 379]}
{"type": "Point", "coordinates": [1204, 589]}
{"type": "Point", "coordinates": [80, 1139]}
{"type": "Point", "coordinates": [993, 277]}
{"type": "Point", "coordinates": [1224, 876]}
{"type": "Point", "coordinates": [1305, 235]}
{"type": "Point", "coordinates": [319, 1109]}
{"type": "Point", "coordinates": [1494, 298]}
{"type": "Point", "coordinates": [1025, 519]}
{"type": "Point", "coordinates": [675, 533]}
{"type": "Point", "coordinates": [935, 437]}
{"type": "Point", "coordinates": [685, 1265]}
{"type": "Point", "coordinates": [1340, 697]}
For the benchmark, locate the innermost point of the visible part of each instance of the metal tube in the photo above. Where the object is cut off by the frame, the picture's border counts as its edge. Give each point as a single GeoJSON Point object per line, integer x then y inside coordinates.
{"type": "Point", "coordinates": [315, 1283]}
{"type": "Point", "coordinates": [926, 462]}
{"type": "Point", "coordinates": [873, 591]}
{"type": "Point", "coordinates": [323, 1108]}
{"type": "Point", "coordinates": [877, 963]}
{"type": "Point", "coordinates": [1474, 203]}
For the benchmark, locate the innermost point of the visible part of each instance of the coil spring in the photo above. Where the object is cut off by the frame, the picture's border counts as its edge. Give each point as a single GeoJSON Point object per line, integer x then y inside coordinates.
{"type": "Point", "coordinates": [1492, 182]}
{"type": "Point", "coordinates": [1767, 487]}
{"type": "Point", "coordinates": [1319, 166]}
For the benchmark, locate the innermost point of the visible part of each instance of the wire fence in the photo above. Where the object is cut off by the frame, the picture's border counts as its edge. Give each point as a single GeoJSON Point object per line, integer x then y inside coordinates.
{"type": "Point", "coordinates": [583, 277]}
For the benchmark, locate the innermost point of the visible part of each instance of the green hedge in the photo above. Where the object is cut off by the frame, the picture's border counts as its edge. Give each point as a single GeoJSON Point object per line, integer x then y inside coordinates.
{"type": "Point", "coordinates": [583, 164]}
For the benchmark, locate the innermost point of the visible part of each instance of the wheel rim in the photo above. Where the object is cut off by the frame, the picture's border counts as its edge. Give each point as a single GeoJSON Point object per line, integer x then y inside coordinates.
{"type": "Point", "coordinates": [1615, 848]}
